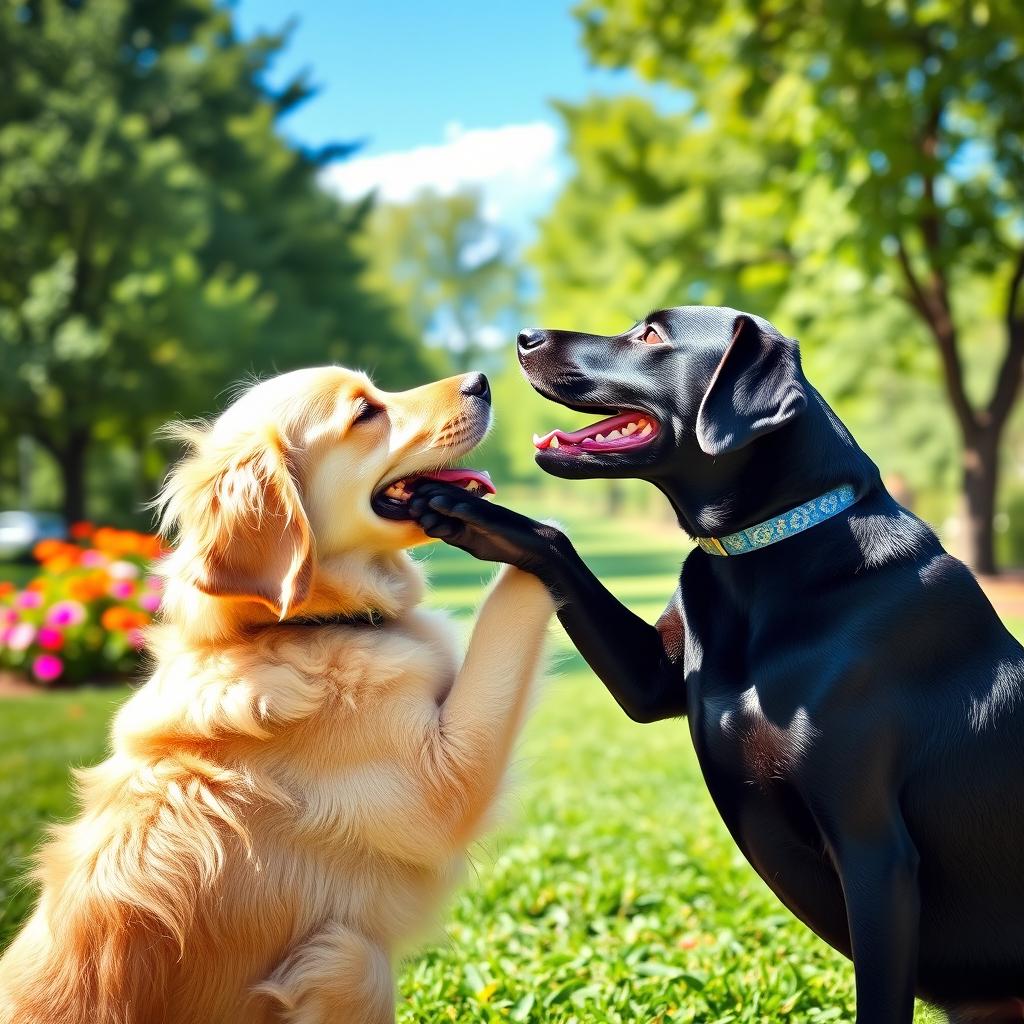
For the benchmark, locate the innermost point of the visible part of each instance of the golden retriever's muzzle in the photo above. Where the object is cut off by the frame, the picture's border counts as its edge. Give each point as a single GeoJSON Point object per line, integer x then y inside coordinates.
{"type": "Point", "coordinates": [452, 417]}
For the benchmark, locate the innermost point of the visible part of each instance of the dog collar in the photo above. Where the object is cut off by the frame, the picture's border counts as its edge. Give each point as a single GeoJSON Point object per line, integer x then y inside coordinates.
{"type": "Point", "coordinates": [789, 524]}
{"type": "Point", "coordinates": [367, 618]}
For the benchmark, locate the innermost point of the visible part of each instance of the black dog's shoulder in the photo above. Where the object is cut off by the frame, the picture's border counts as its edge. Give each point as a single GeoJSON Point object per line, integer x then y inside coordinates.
{"type": "Point", "coordinates": [899, 639]}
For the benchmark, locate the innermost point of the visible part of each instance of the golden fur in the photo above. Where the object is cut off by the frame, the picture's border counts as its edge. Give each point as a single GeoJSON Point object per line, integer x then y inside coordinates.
{"type": "Point", "coordinates": [285, 804]}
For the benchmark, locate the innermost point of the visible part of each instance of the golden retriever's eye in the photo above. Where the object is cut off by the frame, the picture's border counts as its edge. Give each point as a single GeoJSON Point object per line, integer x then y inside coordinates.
{"type": "Point", "coordinates": [651, 335]}
{"type": "Point", "coordinates": [367, 411]}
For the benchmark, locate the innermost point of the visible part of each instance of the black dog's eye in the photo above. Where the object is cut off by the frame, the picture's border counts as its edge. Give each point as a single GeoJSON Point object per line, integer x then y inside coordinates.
{"type": "Point", "coordinates": [651, 336]}
{"type": "Point", "coordinates": [366, 412]}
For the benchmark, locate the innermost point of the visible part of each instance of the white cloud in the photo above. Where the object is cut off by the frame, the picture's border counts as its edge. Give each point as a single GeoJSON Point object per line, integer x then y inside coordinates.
{"type": "Point", "coordinates": [517, 167]}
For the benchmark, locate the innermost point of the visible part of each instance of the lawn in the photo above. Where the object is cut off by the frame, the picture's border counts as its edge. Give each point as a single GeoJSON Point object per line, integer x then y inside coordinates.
{"type": "Point", "coordinates": [611, 893]}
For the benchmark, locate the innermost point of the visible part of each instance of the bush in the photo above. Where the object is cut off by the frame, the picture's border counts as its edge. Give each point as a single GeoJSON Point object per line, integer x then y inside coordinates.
{"type": "Point", "coordinates": [83, 616]}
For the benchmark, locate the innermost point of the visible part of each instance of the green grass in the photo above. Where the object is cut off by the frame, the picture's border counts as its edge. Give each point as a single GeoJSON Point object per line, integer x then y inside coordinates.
{"type": "Point", "coordinates": [40, 739]}
{"type": "Point", "coordinates": [612, 892]}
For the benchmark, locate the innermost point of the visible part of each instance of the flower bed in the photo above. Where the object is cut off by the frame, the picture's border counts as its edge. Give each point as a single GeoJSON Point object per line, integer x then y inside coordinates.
{"type": "Point", "coordinates": [82, 617]}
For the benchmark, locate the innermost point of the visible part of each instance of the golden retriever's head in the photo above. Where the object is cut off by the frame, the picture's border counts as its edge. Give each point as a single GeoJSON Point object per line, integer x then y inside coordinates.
{"type": "Point", "coordinates": [292, 501]}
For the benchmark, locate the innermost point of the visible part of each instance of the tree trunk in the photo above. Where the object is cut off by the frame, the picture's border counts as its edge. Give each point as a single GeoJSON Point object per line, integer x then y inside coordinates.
{"type": "Point", "coordinates": [980, 477]}
{"type": "Point", "coordinates": [150, 469]}
{"type": "Point", "coordinates": [71, 459]}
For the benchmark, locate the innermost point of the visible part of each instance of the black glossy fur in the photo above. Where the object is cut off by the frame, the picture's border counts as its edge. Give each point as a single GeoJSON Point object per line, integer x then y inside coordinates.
{"type": "Point", "coordinates": [855, 702]}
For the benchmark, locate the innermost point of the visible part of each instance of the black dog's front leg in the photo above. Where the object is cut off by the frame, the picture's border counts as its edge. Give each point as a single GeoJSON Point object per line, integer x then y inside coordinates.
{"type": "Point", "coordinates": [879, 877]}
{"type": "Point", "coordinates": [626, 653]}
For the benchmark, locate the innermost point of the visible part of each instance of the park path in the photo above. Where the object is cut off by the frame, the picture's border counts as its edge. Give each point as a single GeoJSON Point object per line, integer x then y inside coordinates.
{"type": "Point", "coordinates": [1006, 592]}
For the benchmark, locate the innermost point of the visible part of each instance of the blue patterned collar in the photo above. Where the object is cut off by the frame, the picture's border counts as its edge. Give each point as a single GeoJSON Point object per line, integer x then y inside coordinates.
{"type": "Point", "coordinates": [790, 523]}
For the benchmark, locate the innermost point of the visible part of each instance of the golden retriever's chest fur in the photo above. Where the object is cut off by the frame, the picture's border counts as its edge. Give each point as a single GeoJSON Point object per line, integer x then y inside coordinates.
{"type": "Point", "coordinates": [256, 793]}
{"type": "Point", "coordinates": [329, 729]}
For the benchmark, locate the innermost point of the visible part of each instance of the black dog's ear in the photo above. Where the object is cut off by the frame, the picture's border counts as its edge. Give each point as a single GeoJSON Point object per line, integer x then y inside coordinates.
{"type": "Point", "coordinates": [756, 388]}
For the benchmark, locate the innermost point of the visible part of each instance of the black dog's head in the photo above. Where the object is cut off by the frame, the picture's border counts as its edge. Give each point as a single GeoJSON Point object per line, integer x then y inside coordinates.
{"type": "Point", "coordinates": [700, 379]}
{"type": "Point", "coordinates": [691, 395]}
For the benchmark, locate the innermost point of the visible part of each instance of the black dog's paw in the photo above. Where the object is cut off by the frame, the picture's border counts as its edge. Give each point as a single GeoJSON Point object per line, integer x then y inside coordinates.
{"type": "Point", "coordinates": [487, 531]}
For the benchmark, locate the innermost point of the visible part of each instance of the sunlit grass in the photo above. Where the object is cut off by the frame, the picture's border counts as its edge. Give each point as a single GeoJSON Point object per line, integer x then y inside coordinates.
{"type": "Point", "coordinates": [611, 892]}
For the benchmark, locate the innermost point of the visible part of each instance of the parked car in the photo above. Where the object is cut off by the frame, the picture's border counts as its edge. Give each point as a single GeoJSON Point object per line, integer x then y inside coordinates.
{"type": "Point", "coordinates": [21, 531]}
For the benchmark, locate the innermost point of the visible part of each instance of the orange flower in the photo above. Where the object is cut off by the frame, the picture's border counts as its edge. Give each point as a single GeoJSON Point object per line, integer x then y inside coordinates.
{"type": "Point", "coordinates": [88, 587]}
{"type": "Point", "coordinates": [56, 555]}
{"type": "Point", "coordinates": [6, 587]}
{"type": "Point", "coordinates": [119, 543]}
{"type": "Point", "coordinates": [60, 563]}
{"type": "Point", "coordinates": [82, 531]}
{"type": "Point", "coordinates": [151, 547]}
{"type": "Point", "coordinates": [47, 549]}
{"type": "Point", "coordinates": [105, 539]}
{"type": "Point", "coordinates": [121, 618]}
{"type": "Point", "coordinates": [113, 618]}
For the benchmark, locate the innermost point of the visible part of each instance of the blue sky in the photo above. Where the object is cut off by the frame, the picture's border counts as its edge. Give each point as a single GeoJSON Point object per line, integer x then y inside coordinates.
{"type": "Point", "coordinates": [442, 94]}
{"type": "Point", "coordinates": [396, 72]}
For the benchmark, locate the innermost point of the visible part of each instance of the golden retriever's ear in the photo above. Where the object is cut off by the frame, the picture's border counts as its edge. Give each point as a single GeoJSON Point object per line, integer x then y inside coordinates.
{"type": "Point", "coordinates": [241, 519]}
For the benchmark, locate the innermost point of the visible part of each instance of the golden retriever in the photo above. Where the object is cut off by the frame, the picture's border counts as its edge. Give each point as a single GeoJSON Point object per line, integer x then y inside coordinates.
{"type": "Point", "coordinates": [291, 792]}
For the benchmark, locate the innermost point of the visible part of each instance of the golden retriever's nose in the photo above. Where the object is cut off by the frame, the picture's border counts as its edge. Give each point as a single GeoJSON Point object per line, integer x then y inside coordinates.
{"type": "Point", "coordinates": [476, 384]}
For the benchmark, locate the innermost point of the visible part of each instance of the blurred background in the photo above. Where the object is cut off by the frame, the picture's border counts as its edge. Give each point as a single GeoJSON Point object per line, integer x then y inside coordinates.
{"type": "Point", "coordinates": [195, 193]}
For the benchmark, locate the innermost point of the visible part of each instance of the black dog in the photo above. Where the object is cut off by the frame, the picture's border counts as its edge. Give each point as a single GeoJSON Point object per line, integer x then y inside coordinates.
{"type": "Point", "coordinates": [855, 702]}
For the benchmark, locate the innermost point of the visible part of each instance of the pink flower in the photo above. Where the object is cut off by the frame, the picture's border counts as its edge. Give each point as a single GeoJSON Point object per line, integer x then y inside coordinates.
{"type": "Point", "coordinates": [122, 589]}
{"type": "Point", "coordinates": [20, 637]}
{"type": "Point", "coordinates": [149, 601]}
{"type": "Point", "coordinates": [10, 616]}
{"type": "Point", "coordinates": [137, 639]}
{"type": "Point", "coordinates": [29, 599]}
{"type": "Point", "coordinates": [66, 613]}
{"type": "Point", "coordinates": [155, 583]}
{"type": "Point", "coordinates": [47, 667]}
{"type": "Point", "coordinates": [49, 638]}
{"type": "Point", "coordinates": [93, 559]}
{"type": "Point", "coordinates": [124, 570]}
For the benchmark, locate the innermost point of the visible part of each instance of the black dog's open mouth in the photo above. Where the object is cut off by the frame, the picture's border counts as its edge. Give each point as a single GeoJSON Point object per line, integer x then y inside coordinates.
{"type": "Point", "coordinates": [617, 433]}
{"type": "Point", "coordinates": [392, 500]}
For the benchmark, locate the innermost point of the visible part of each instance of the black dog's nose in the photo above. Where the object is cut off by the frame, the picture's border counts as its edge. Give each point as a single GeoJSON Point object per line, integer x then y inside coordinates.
{"type": "Point", "coordinates": [531, 337]}
{"type": "Point", "coordinates": [476, 384]}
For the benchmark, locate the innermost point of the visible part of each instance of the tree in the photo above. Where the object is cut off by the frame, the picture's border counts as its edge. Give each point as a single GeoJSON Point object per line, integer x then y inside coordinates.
{"type": "Point", "coordinates": [875, 138]}
{"type": "Point", "coordinates": [158, 237]}
{"type": "Point", "coordinates": [454, 274]}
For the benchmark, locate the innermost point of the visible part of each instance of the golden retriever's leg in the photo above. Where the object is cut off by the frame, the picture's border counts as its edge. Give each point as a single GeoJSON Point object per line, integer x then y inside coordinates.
{"type": "Point", "coordinates": [336, 977]}
{"type": "Point", "coordinates": [481, 717]}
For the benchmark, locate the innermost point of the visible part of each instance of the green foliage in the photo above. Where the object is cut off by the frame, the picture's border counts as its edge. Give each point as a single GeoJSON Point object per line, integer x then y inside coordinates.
{"type": "Point", "coordinates": [158, 237]}
{"type": "Point", "coordinates": [855, 173]}
{"type": "Point", "coordinates": [453, 273]}
{"type": "Point", "coordinates": [875, 97]}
